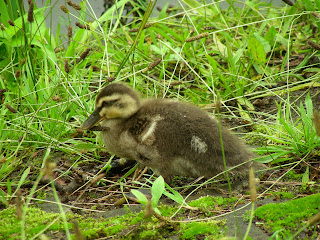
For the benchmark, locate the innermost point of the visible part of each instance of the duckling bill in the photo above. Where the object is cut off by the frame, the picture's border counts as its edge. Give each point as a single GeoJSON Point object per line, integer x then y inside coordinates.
{"type": "Point", "coordinates": [170, 137]}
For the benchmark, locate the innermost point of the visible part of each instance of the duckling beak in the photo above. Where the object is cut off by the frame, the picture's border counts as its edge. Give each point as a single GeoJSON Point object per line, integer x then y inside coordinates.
{"type": "Point", "coordinates": [92, 120]}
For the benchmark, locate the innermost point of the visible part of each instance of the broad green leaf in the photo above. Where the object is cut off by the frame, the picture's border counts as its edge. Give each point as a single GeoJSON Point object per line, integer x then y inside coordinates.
{"type": "Point", "coordinates": [219, 46]}
{"type": "Point", "coordinates": [308, 5]}
{"type": "Point", "coordinates": [38, 27]}
{"type": "Point", "coordinates": [157, 190]}
{"type": "Point", "coordinates": [140, 196]}
{"type": "Point", "coordinates": [270, 36]}
{"type": "Point", "coordinates": [163, 12]}
{"type": "Point", "coordinates": [270, 157]}
{"type": "Point", "coordinates": [309, 106]}
{"type": "Point", "coordinates": [4, 17]}
{"type": "Point", "coordinates": [245, 102]}
{"type": "Point", "coordinates": [175, 196]}
{"type": "Point", "coordinates": [317, 2]}
{"type": "Point", "coordinates": [243, 113]}
{"type": "Point", "coordinates": [263, 42]}
{"type": "Point", "coordinates": [305, 176]}
{"type": "Point", "coordinates": [281, 39]}
{"type": "Point", "coordinates": [50, 52]}
{"type": "Point", "coordinates": [238, 55]}
{"type": "Point", "coordinates": [256, 50]}
{"type": "Point", "coordinates": [212, 62]}
{"type": "Point", "coordinates": [265, 159]}
{"type": "Point", "coordinates": [167, 33]}
{"type": "Point", "coordinates": [289, 128]}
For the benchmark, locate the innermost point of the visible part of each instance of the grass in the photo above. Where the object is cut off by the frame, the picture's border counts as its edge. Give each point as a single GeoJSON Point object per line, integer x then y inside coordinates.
{"type": "Point", "coordinates": [260, 60]}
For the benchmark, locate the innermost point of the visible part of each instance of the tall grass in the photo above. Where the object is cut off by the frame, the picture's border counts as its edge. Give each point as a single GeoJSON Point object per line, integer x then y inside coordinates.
{"type": "Point", "coordinates": [51, 80]}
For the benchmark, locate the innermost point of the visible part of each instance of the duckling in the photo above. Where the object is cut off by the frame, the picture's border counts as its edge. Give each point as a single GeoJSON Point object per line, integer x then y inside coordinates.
{"type": "Point", "coordinates": [170, 137]}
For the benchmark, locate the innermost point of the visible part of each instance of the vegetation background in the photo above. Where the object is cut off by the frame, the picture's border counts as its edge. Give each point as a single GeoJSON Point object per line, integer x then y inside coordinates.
{"type": "Point", "coordinates": [258, 63]}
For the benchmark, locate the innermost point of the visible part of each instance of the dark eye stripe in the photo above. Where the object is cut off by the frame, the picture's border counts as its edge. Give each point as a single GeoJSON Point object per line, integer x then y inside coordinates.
{"type": "Point", "coordinates": [109, 103]}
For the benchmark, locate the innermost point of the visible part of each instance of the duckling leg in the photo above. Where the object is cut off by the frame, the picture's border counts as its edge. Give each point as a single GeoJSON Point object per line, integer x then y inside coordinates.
{"type": "Point", "coordinates": [167, 179]}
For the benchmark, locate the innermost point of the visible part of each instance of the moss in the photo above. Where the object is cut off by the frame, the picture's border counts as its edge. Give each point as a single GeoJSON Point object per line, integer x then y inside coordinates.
{"type": "Point", "coordinates": [283, 195]}
{"type": "Point", "coordinates": [210, 228]}
{"type": "Point", "coordinates": [150, 234]}
{"type": "Point", "coordinates": [252, 138]}
{"type": "Point", "coordinates": [166, 210]}
{"type": "Point", "coordinates": [97, 227]}
{"type": "Point", "coordinates": [36, 220]}
{"type": "Point", "coordinates": [292, 175]}
{"type": "Point", "coordinates": [286, 215]}
{"type": "Point", "coordinates": [209, 203]}
{"type": "Point", "coordinates": [41, 195]}
{"type": "Point", "coordinates": [128, 226]}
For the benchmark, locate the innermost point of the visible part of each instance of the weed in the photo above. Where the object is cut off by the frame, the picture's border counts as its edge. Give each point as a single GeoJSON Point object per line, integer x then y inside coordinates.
{"type": "Point", "coordinates": [241, 55]}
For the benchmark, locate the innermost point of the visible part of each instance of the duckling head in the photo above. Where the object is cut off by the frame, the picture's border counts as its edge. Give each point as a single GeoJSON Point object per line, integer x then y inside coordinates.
{"type": "Point", "coordinates": [115, 101]}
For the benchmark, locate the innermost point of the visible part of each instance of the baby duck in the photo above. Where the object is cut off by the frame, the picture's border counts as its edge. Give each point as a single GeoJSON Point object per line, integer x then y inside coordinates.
{"type": "Point", "coordinates": [170, 137]}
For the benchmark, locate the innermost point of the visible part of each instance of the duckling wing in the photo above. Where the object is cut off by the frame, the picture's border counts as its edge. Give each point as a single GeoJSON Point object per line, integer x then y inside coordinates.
{"type": "Point", "coordinates": [177, 128]}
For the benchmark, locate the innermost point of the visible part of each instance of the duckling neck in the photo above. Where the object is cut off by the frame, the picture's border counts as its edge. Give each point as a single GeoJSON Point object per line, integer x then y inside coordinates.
{"type": "Point", "coordinates": [117, 140]}
{"type": "Point", "coordinates": [113, 124]}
